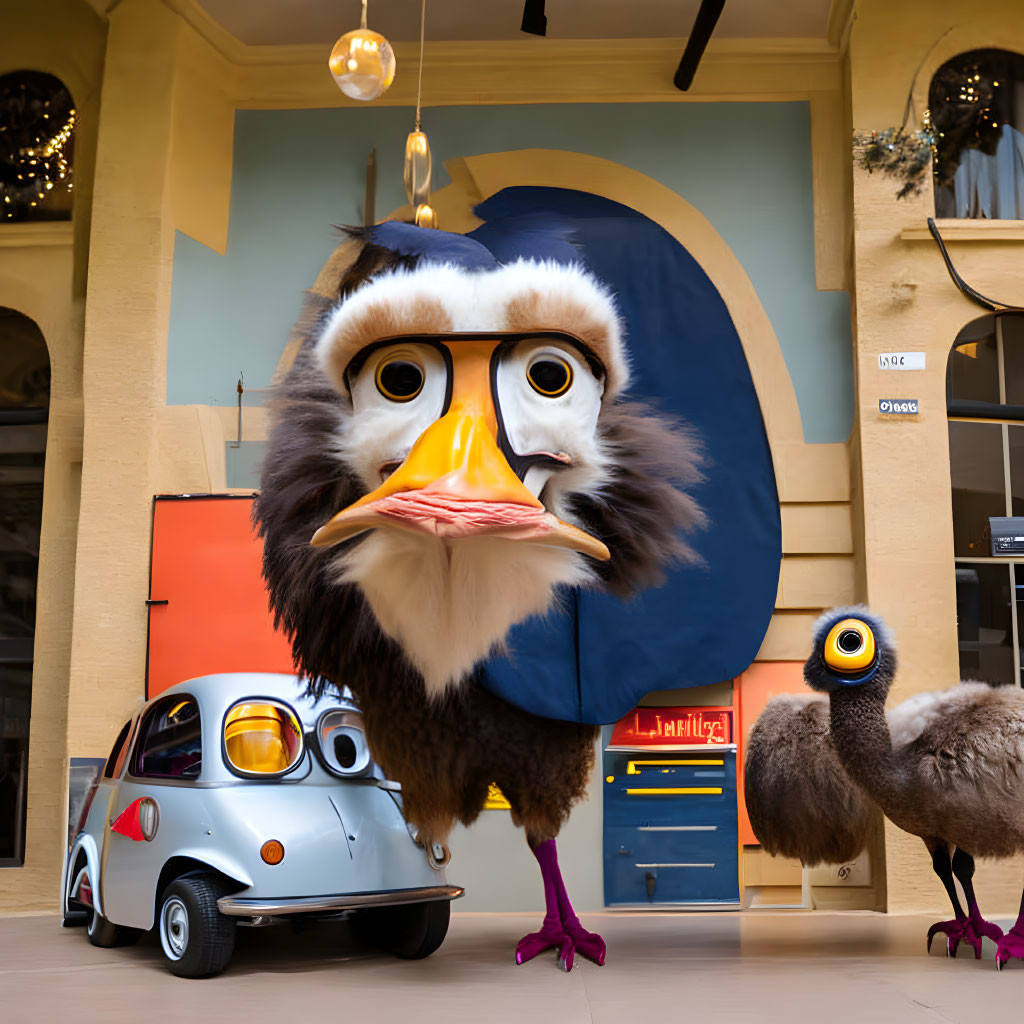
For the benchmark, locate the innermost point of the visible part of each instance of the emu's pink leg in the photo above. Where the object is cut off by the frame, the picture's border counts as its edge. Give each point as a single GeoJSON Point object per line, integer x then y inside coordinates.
{"type": "Point", "coordinates": [561, 927]}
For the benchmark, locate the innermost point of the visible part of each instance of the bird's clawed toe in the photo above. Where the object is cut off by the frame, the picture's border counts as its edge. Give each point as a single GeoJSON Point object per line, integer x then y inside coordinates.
{"type": "Point", "coordinates": [549, 937]}
{"type": "Point", "coordinates": [1010, 947]}
{"type": "Point", "coordinates": [568, 940]}
{"type": "Point", "coordinates": [588, 944]}
{"type": "Point", "coordinates": [971, 930]}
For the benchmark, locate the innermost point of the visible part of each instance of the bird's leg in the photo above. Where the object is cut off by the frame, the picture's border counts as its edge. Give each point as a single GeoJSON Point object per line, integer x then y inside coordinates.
{"type": "Point", "coordinates": [976, 927]}
{"type": "Point", "coordinates": [589, 944]}
{"type": "Point", "coordinates": [953, 930]}
{"type": "Point", "coordinates": [552, 935]}
{"type": "Point", "coordinates": [1011, 945]}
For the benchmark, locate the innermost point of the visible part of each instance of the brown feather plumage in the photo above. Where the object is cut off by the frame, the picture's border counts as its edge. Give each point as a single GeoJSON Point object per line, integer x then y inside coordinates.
{"type": "Point", "coordinates": [800, 801]}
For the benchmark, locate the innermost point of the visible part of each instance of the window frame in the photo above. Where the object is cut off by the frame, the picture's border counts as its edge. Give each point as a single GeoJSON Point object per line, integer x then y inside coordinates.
{"type": "Point", "coordinates": [119, 751]}
{"type": "Point", "coordinates": [998, 417]}
{"type": "Point", "coordinates": [141, 735]}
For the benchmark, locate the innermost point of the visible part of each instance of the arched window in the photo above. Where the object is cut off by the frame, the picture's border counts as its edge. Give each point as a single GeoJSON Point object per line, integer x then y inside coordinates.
{"type": "Point", "coordinates": [24, 404]}
{"type": "Point", "coordinates": [985, 406]}
{"type": "Point", "coordinates": [37, 138]}
{"type": "Point", "coordinates": [976, 104]}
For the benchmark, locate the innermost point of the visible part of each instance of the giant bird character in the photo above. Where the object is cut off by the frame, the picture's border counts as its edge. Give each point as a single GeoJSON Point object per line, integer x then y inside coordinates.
{"type": "Point", "coordinates": [450, 452]}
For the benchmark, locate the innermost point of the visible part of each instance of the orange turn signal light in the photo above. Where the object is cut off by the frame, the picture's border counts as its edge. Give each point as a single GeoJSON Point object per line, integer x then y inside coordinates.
{"type": "Point", "coordinates": [272, 852]}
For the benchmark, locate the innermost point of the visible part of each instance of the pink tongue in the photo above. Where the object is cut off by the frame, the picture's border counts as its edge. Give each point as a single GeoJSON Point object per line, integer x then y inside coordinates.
{"type": "Point", "coordinates": [449, 516]}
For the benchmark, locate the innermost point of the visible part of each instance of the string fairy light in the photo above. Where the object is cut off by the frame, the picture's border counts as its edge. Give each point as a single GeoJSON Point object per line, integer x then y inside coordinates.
{"type": "Point", "coordinates": [38, 161]}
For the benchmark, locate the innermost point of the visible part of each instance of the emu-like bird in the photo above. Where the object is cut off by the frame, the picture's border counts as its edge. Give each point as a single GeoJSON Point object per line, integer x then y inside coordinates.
{"type": "Point", "coordinates": [450, 447]}
{"type": "Point", "coordinates": [946, 766]}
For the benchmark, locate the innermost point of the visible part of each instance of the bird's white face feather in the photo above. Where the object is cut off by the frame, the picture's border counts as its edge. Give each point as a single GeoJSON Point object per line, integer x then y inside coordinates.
{"type": "Point", "coordinates": [449, 601]}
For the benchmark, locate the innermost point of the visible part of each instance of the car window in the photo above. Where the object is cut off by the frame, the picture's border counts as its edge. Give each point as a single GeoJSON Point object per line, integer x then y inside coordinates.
{"type": "Point", "coordinates": [170, 741]}
{"type": "Point", "coordinates": [116, 760]}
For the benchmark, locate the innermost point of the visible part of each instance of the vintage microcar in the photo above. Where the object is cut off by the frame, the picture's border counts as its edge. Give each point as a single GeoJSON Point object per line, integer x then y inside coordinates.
{"type": "Point", "coordinates": [235, 799]}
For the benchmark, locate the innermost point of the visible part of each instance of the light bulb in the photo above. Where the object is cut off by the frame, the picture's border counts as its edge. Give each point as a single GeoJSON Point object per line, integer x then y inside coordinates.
{"type": "Point", "coordinates": [363, 64]}
{"type": "Point", "coordinates": [417, 169]}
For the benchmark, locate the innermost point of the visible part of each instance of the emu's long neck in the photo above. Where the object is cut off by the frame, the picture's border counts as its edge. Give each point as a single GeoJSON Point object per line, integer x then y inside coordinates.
{"type": "Point", "coordinates": [861, 736]}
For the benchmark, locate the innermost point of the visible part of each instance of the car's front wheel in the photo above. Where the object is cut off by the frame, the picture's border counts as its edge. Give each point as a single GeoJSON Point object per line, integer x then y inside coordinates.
{"type": "Point", "coordinates": [197, 940]}
{"type": "Point", "coordinates": [411, 931]}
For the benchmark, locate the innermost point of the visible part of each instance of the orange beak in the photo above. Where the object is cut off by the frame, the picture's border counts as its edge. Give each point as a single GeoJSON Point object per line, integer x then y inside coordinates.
{"type": "Point", "coordinates": [455, 482]}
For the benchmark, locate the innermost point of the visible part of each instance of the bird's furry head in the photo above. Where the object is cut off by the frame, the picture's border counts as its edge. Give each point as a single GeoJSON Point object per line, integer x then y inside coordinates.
{"type": "Point", "coordinates": [851, 647]}
{"type": "Point", "coordinates": [453, 441]}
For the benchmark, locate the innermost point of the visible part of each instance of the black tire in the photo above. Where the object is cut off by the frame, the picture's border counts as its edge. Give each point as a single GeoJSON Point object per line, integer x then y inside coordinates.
{"type": "Point", "coordinates": [106, 934]}
{"type": "Point", "coordinates": [411, 931]}
{"type": "Point", "coordinates": [196, 939]}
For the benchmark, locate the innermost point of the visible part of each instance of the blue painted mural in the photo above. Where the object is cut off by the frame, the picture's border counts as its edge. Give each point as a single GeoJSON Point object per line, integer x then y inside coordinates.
{"type": "Point", "coordinates": [746, 167]}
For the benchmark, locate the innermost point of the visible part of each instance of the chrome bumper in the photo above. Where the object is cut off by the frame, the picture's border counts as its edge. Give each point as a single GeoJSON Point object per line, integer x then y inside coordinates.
{"type": "Point", "coordinates": [237, 906]}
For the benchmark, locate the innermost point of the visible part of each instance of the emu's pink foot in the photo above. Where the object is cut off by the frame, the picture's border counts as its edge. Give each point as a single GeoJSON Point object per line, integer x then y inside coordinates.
{"type": "Point", "coordinates": [1011, 946]}
{"type": "Point", "coordinates": [968, 929]}
{"type": "Point", "coordinates": [953, 930]}
{"type": "Point", "coordinates": [588, 944]}
{"type": "Point", "coordinates": [549, 937]}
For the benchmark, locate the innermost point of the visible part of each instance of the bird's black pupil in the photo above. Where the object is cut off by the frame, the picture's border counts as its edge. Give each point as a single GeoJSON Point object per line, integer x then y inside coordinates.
{"type": "Point", "coordinates": [345, 750]}
{"type": "Point", "coordinates": [401, 379]}
{"type": "Point", "coordinates": [849, 641]}
{"type": "Point", "coordinates": [548, 376]}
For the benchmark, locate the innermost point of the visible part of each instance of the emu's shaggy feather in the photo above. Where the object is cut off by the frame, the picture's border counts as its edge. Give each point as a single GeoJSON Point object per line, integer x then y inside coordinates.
{"type": "Point", "coordinates": [800, 800]}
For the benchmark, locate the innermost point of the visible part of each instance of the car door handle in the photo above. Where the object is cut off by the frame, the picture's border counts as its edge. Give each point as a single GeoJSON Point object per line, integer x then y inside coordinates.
{"type": "Point", "coordinates": [150, 602]}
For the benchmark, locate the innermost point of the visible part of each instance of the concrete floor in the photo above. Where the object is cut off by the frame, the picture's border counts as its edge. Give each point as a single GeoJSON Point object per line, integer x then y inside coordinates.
{"type": "Point", "coordinates": [721, 968]}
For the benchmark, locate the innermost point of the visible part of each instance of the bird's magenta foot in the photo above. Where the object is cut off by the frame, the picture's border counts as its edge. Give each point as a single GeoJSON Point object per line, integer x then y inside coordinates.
{"type": "Point", "coordinates": [1011, 946]}
{"type": "Point", "coordinates": [967, 929]}
{"type": "Point", "coordinates": [588, 944]}
{"type": "Point", "coordinates": [549, 937]}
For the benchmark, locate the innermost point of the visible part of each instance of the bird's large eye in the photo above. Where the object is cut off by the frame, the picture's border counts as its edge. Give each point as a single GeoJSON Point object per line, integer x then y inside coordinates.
{"type": "Point", "coordinates": [849, 646]}
{"type": "Point", "coordinates": [550, 376]}
{"type": "Point", "coordinates": [399, 379]}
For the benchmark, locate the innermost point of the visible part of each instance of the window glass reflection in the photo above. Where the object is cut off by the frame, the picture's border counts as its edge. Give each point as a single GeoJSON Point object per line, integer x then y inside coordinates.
{"type": "Point", "coordinates": [1011, 326]}
{"type": "Point", "coordinates": [984, 624]}
{"type": "Point", "coordinates": [973, 372]}
{"type": "Point", "coordinates": [976, 472]}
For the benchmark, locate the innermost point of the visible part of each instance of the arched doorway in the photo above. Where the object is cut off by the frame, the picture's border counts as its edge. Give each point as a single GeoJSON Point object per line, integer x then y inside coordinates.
{"type": "Point", "coordinates": [985, 406]}
{"type": "Point", "coordinates": [24, 407]}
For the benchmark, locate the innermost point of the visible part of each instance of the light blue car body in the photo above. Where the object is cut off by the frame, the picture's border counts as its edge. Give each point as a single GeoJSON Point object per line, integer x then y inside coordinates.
{"type": "Point", "coordinates": [346, 842]}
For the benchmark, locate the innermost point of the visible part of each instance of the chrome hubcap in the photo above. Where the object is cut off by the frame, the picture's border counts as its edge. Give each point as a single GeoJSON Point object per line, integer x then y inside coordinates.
{"type": "Point", "coordinates": [174, 928]}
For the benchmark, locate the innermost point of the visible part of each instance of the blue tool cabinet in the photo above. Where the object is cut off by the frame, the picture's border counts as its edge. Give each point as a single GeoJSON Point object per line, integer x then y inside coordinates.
{"type": "Point", "coordinates": [671, 834]}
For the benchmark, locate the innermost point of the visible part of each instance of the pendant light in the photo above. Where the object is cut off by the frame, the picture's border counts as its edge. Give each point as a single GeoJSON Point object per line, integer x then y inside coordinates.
{"type": "Point", "coordinates": [418, 167]}
{"type": "Point", "coordinates": [363, 62]}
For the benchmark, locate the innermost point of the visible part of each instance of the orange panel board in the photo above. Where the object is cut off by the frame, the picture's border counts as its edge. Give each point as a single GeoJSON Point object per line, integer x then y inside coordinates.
{"type": "Point", "coordinates": [762, 681]}
{"type": "Point", "coordinates": [206, 566]}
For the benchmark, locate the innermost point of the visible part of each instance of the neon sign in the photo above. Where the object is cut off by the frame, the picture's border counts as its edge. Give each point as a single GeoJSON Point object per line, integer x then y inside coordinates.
{"type": "Point", "coordinates": [660, 727]}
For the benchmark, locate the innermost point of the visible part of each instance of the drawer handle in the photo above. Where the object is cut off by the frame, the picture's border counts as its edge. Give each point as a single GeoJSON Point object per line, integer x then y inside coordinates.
{"type": "Point", "coordinates": [633, 767]}
{"type": "Point", "coordinates": [677, 828]}
{"type": "Point", "coordinates": [677, 791]}
{"type": "Point", "coordinates": [675, 865]}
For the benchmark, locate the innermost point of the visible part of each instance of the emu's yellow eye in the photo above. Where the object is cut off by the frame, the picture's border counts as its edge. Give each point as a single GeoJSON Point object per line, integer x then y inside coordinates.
{"type": "Point", "coordinates": [399, 379]}
{"type": "Point", "coordinates": [549, 376]}
{"type": "Point", "coordinates": [849, 646]}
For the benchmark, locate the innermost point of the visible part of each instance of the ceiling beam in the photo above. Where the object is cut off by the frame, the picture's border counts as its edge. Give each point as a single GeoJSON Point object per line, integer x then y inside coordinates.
{"type": "Point", "coordinates": [703, 25]}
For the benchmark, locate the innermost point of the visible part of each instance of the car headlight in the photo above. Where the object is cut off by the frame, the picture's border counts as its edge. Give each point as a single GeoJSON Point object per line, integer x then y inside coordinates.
{"type": "Point", "coordinates": [342, 743]}
{"type": "Point", "coordinates": [262, 738]}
